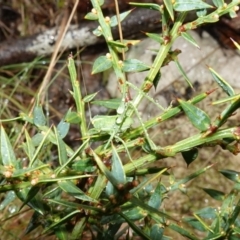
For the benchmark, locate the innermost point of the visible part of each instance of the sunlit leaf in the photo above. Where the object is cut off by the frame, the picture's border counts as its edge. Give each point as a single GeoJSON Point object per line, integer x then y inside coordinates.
{"type": "Point", "coordinates": [63, 128]}
{"type": "Point", "coordinates": [188, 5]}
{"type": "Point", "coordinates": [8, 198]}
{"type": "Point", "coordinates": [39, 118]}
{"type": "Point", "coordinates": [195, 223]}
{"type": "Point", "coordinates": [156, 197]}
{"type": "Point", "coordinates": [109, 103]}
{"type": "Point", "coordinates": [134, 65]}
{"type": "Point", "coordinates": [117, 167]}
{"type": "Point", "coordinates": [7, 153]}
{"type": "Point", "coordinates": [189, 38]}
{"type": "Point", "coordinates": [91, 16]}
{"type": "Point", "coordinates": [197, 117]}
{"type": "Point", "coordinates": [101, 64]}
{"type": "Point", "coordinates": [207, 213]}
{"type": "Point", "coordinates": [222, 83]}
{"type": "Point", "coordinates": [183, 73]}
{"type": "Point", "coordinates": [156, 232]}
{"type": "Point", "coordinates": [72, 117]}
{"type": "Point", "coordinates": [90, 97]}
{"type": "Point", "coordinates": [218, 3]}
{"type": "Point", "coordinates": [156, 37]}
{"type": "Point", "coordinates": [122, 16]}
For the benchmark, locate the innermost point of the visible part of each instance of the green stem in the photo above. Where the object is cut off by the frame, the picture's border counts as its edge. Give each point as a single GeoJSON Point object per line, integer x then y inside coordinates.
{"type": "Point", "coordinates": [158, 62]}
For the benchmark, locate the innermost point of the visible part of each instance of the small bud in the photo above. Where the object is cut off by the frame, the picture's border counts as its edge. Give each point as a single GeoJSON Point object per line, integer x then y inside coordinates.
{"type": "Point", "coordinates": [108, 55]}
{"type": "Point", "coordinates": [7, 174]}
{"type": "Point", "coordinates": [109, 39]}
{"type": "Point", "coordinates": [94, 11]}
{"type": "Point", "coordinates": [120, 62]}
{"type": "Point", "coordinates": [99, 28]}
{"type": "Point", "coordinates": [216, 16]}
{"type": "Point", "coordinates": [236, 8]}
{"type": "Point", "coordinates": [34, 181]}
{"type": "Point", "coordinates": [107, 19]}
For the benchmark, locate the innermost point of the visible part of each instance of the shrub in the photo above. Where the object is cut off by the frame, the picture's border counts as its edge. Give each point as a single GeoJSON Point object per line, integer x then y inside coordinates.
{"type": "Point", "coordinates": [100, 188]}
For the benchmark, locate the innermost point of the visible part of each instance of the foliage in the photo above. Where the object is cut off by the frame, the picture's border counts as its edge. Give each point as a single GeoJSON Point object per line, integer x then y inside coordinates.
{"type": "Point", "coordinates": [93, 188]}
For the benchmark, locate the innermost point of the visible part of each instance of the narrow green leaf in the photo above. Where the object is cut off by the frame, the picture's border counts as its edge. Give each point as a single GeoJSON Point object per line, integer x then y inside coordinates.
{"type": "Point", "coordinates": [62, 152]}
{"type": "Point", "coordinates": [33, 223]}
{"type": "Point", "coordinates": [182, 231]}
{"type": "Point", "coordinates": [156, 198]}
{"type": "Point", "coordinates": [63, 128]}
{"type": "Point", "coordinates": [134, 65]}
{"type": "Point", "coordinates": [222, 83]}
{"type": "Point", "coordinates": [105, 170]}
{"type": "Point", "coordinates": [73, 156]}
{"type": "Point", "coordinates": [188, 5]}
{"type": "Point", "coordinates": [97, 32]}
{"type": "Point", "coordinates": [35, 202]}
{"type": "Point", "coordinates": [72, 117]}
{"type": "Point", "coordinates": [179, 183]}
{"type": "Point", "coordinates": [189, 38]}
{"type": "Point", "coordinates": [7, 153]}
{"type": "Point", "coordinates": [122, 16]}
{"type": "Point", "coordinates": [156, 37]}
{"type": "Point", "coordinates": [70, 188]}
{"type": "Point", "coordinates": [183, 73]}
{"type": "Point", "coordinates": [190, 156]}
{"type": "Point", "coordinates": [29, 146]}
{"type": "Point", "coordinates": [117, 44]}
{"type": "Point", "coordinates": [8, 198]}
{"type": "Point", "coordinates": [74, 205]}
{"type": "Point", "coordinates": [61, 221]}
{"type": "Point", "coordinates": [138, 230]}
{"type": "Point", "coordinates": [85, 165]}
{"type": "Point", "coordinates": [156, 79]}
{"type": "Point", "coordinates": [30, 195]}
{"type": "Point", "coordinates": [232, 99]}
{"type": "Point", "coordinates": [197, 117]}
{"type": "Point", "coordinates": [218, 3]}
{"type": "Point", "coordinates": [236, 44]}
{"type": "Point", "coordinates": [101, 64]}
{"type": "Point", "coordinates": [117, 167]}
{"type": "Point", "coordinates": [193, 222]}
{"type": "Point", "coordinates": [151, 6]}
{"type": "Point", "coordinates": [202, 12]}
{"type": "Point", "coordinates": [72, 69]}
{"type": "Point", "coordinates": [61, 233]}
{"type": "Point", "coordinates": [169, 6]}
{"type": "Point", "coordinates": [90, 97]}
{"type": "Point", "coordinates": [230, 174]}
{"type": "Point", "coordinates": [39, 148]}
{"type": "Point", "coordinates": [91, 16]}
{"type": "Point", "coordinates": [215, 194]}
{"type": "Point", "coordinates": [156, 232]}
{"type": "Point", "coordinates": [109, 103]}
{"type": "Point", "coordinates": [207, 213]}
{"type": "Point", "coordinates": [39, 118]}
